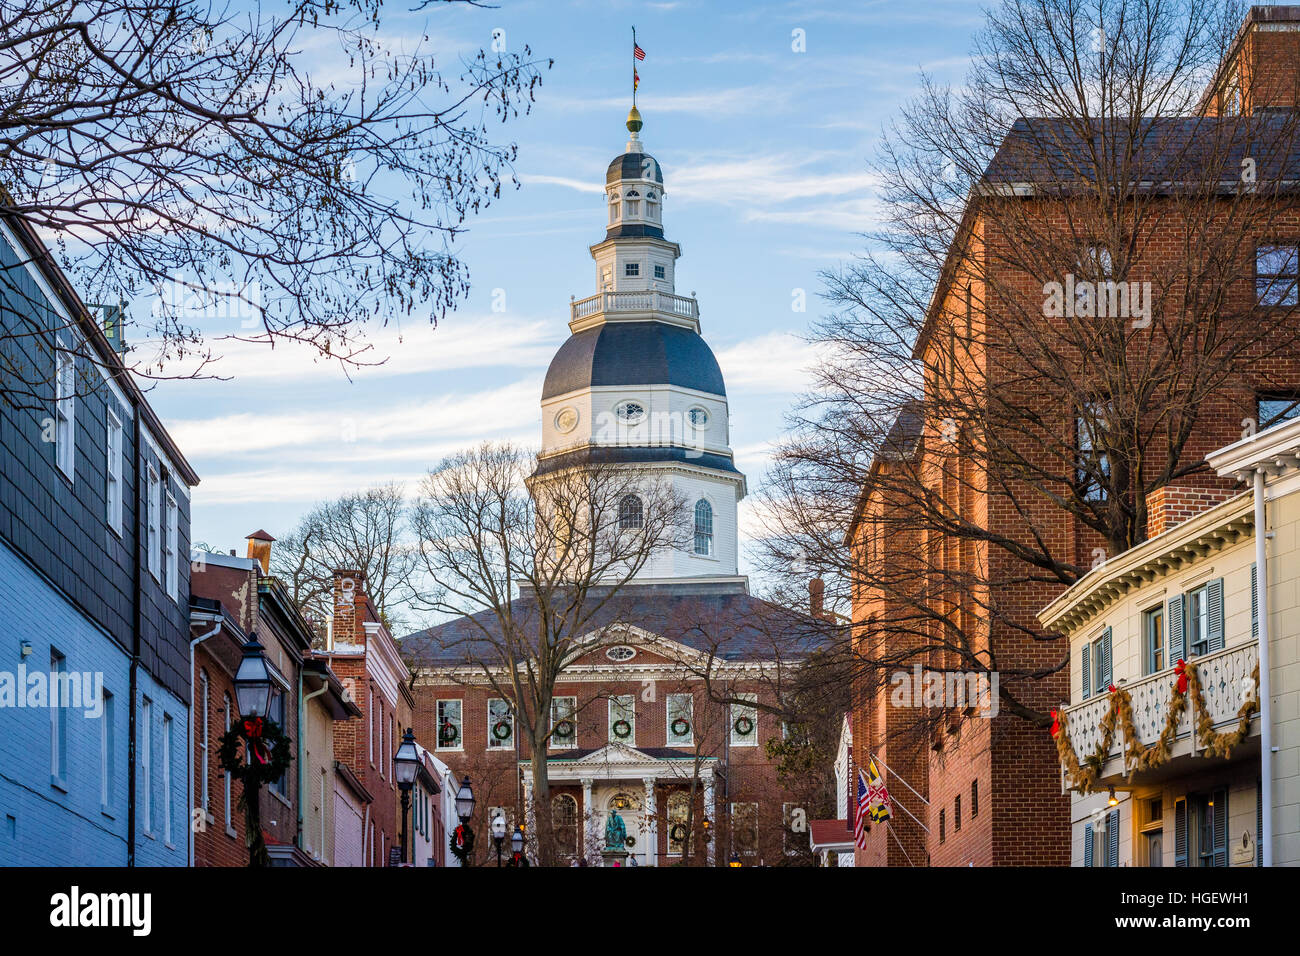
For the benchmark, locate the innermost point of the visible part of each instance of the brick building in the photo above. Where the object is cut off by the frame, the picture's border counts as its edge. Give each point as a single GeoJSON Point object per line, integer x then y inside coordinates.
{"type": "Point", "coordinates": [987, 791]}
{"type": "Point", "coordinates": [633, 728]}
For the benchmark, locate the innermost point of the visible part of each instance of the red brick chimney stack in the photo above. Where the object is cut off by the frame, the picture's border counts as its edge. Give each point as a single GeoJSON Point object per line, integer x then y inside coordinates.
{"type": "Point", "coordinates": [1173, 504]}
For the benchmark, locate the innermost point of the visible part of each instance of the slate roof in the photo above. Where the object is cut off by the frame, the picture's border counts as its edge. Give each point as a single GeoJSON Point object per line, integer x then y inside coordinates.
{"type": "Point", "coordinates": [634, 353]}
{"type": "Point", "coordinates": [721, 618]}
{"type": "Point", "coordinates": [636, 454]}
{"type": "Point", "coordinates": [632, 166]}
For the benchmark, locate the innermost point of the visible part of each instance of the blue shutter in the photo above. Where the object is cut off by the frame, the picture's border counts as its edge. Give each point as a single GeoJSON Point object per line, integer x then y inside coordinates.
{"type": "Point", "coordinates": [1219, 827]}
{"type": "Point", "coordinates": [1177, 650]}
{"type": "Point", "coordinates": [1180, 833]}
{"type": "Point", "coordinates": [1112, 836]}
{"type": "Point", "coordinates": [1106, 677]}
{"type": "Point", "coordinates": [1087, 844]}
{"type": "Point", "coordinates": [1087, 671]}
{"type": "Point", "coordinates": [1254, 601]}
{"type": "Point", "coordinates": [1214, 597]}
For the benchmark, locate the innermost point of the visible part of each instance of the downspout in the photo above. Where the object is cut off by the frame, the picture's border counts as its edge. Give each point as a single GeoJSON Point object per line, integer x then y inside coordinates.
{"type": "Point", "coordinates": [1265, 699]}
{"type": "Point", "coordinates": [189, 774]}
{"type": "Point", "coordinates": [304, 720]}
{"type": "Point", "coordinates": [137, 614]}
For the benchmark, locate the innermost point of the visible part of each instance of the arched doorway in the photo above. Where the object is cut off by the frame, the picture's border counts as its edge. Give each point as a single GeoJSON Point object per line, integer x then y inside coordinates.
{"type": "Point", "coordinates": [630, 807]}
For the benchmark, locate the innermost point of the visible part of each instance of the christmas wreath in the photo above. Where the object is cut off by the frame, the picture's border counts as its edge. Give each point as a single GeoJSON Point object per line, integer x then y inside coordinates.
{"type": "Point", "coordinates": [678, 832]}
{"type": "Point", "coordinates": [448, 735]}
{"type": "Point", "coordinates": [681, 727]}
{"type": "Point", "coordinates": [462, 843]}
{"type": "Point", "coordinates": [501, 729]}
{"type": "Point", "coordinates": [564, 729]}
{"type": "Point", "coordinates": [255, 752]}
{"type": "Point", "coordinates": [622, 729]}
{"type": "Point", "coordinates": [744, 726]}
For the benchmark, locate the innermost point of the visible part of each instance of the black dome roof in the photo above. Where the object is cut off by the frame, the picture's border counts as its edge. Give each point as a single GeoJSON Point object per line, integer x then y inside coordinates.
{"type": "Point", "coordinates": [634, 353]}
{"type": "Point", "coordinates": [632, 166]}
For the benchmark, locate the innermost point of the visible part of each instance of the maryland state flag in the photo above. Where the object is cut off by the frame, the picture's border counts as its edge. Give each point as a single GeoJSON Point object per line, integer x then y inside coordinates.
{"type": "Point", "coordinates": [877, 794]}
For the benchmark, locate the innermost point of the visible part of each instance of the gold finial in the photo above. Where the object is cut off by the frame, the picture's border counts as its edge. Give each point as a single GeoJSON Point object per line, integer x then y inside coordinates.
{"type": "Point", "coordinates": [634, 121]}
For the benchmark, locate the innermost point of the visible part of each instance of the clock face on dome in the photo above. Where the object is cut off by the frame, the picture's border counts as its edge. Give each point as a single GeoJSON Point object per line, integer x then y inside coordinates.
{"type": "Point", "coordinates": [566, 420]}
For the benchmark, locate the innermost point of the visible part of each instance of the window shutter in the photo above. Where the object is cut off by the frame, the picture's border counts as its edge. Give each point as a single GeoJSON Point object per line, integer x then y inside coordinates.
{"type": "Point", "coordinates": [1087, 844]}
{"type": "Point", "coordinates": [1177, 650]}
{"type": "Point", "coordinates": [1254, 601]}
{"type": "Point", "coordinates": [1106, 678]}
{"type": "Point", "coordinates": [1220, 827]}
{"type": "Point", "coordinates": [1112, 837]}
{"type": "Point", "coordinates": [1180, 833]}
{"type": "Point", "coordinates": [1214, 596]}
{"type": "Point", "coordinates": [1087, 671]}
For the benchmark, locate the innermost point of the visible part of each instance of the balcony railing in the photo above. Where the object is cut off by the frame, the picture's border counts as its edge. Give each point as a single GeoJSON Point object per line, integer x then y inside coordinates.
{"type": "Point", "coordinates": [1222, 674]}
{"type": "Point", "coordinates": [648, 301]}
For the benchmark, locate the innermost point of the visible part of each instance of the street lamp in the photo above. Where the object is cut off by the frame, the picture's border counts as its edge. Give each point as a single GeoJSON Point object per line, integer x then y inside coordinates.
{"type": "Point", "coordinates": [407, 762]}
{"type": "Point", "coordinates": [517, 846]}
{"type": "Point", "coordinates": [735, 860]}
{"type": "Point", "coordinates": [253, 697]}
{"type": "Point", "coordinates": [499, 833]}
{"type": "Point", "coordinates": [253, 681]}
{"type": "Point", "coordinates": [465, 800]}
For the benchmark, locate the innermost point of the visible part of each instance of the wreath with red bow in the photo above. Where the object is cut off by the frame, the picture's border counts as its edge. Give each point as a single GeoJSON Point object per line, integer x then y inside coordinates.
{"type": "Point", "coordinates": [462, 843]}
{"type": "Point", "coordinates": [255, 751]}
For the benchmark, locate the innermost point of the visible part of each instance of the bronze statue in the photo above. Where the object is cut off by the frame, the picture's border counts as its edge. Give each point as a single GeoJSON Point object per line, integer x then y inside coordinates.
{"type": "Point", "coordinates": [615, 832]}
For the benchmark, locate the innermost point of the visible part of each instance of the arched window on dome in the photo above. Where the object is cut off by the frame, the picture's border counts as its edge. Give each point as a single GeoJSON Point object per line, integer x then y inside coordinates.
{"type": "Point", "coordinates": [652, 206]}
{"type": "Point", "coordinates": [630, 513]}
{"type": "Point", "coordinates": [633, 200]}
{"type": "Point", "coordinates": [703, 527]}
{"type": "Point", "coordinates": [613, 207]}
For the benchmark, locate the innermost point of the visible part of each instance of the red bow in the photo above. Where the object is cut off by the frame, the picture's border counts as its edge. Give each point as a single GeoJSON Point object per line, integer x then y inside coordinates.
{"type": "Point", "coordinates": [1056, 722]}
{"type": "Point", "coordinates": [253, 728]}
{"type": "Point", "coordinates": [1181, 670]}
{"type": "Point", "coordinates": [1111, 688]}
{"type": "Point", "coordinates": [460, 837]}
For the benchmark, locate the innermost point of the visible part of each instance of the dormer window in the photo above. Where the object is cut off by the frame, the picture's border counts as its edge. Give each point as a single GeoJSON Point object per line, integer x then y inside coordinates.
{"type": "Point", "coordinates": [651, 206]}
{"type": "Point", "coordinates": [633, 202]}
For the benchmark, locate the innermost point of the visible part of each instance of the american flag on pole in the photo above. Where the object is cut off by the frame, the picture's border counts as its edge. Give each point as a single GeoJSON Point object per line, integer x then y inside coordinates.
{"type": "Point", "coordinates": [864, 810]}
{"type": "Point", "coordinates": [637, 51]}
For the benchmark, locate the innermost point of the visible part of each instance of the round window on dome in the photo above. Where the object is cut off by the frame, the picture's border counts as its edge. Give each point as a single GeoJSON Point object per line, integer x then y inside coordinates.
{"type": "Point", "coordinates": [566, 420]}
{"type": "Point", "coordinates": [698, 417]}
{"type": "Point", "coordinates": [629, 413]}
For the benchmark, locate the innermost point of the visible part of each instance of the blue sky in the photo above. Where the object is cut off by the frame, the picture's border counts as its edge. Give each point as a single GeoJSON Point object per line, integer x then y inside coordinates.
{"type": "Point", "coordinates": [765, 156]}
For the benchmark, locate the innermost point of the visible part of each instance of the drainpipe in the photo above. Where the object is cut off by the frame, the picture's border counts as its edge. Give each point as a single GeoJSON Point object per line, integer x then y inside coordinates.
{"type": "Point", "coordinates": [303, 722]}
{"type": "Point", "coordinates": [1265, 699]}
{"type": "Point", "coordinates": [189, 773]}
{"type": "Point", "coordinates": [137, 623]}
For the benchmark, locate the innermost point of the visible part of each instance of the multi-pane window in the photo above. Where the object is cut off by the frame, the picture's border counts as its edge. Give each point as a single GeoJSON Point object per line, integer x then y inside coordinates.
{"type": "Point", "coordinates": [630, 513]}
{"type": "Point", "coordinates": [65, 410]}
{"type": "Point", "coordinates": [1197, 621]}
{"type": "Point", "coordinates": [744, 722]}
{"type": "Point", "coordinates": [275, 712]}
{"type": "Point", "coordinates": [171, 541]}
{"type": "Point", "coordinates": [113, 472]}
{"type": "Point", "coordinates": [678, 810]}
{"type": "Point", "coordinates": [501, 725]}
{"type": "Point", "coordinates": [1276, 270]}
{"type": "Point", "coordinates": [1092, 470]}
{"type": "Point", "coordinates": [166, 756]}
{"type": "Point", "coordinates": [450, 725]}
{"type": "Point", "coordinates": [154, 510]}
{"type": "Point", "coordinates": [58, 719]}
{"type": "Point", "coordinates": [204, 740]}
{"type": "Point", "coordinates": [1153, 640]}
{"type": "Point", "coordinates": [146, 764]}
{"type": "Point", "coordinates": [660, 272]}
{"type": "Point", "coordinates": [1272, 410]}
{"type": "Point", "coordinates": [622, 719]}
{"type": "Point", "coordinates": [681, 719]}
{"type": "Point", "coordinates": [974, 798]}
{"type": "Point", "coordinates": [564, 726]}
{"type": "Point", "coordinates": [107, 765]}
{"type": "Point", "coordinates": [226, 705]}
{"type": "Point", "coordinates": [744, 827]}
{"type": "Point", "coordinates": [564, 821]}
{"type": "Point", "coordinates": [631, 269]}
{"type": "Point", "coordinates": [703, 527]}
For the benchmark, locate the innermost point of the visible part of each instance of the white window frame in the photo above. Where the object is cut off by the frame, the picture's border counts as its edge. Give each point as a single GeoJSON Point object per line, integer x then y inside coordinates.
{"type": "Point", "coordinates": [670, 715]}
{"type": "Point", "coordinates": [509, 717]}
{"type": "Point", "coordinates": [205, 738]}
{"type": "Point", "coordinates": [65, 411]}
{"type": "Point", "coordinates": [167, 778]}
{"type": "Point", "coordinates": [631, 270]}
{"type": "Point", "coordinates": [106, 744]}
{"type": "Point", "coordinates": [230, 825]}
{"type": "Point", "coordinates": [113, 471]}
{"type": "Point", "coordinates": [459, 724]}
{"type": "Point", "coordinates": [707, 536]}
{"type": "Point", "coordinates": [623, 707]}
{"type": "Point", "coordinates": [171, 544]}
{"type": "Point", "coordinates": [58, 721]}
{"type": "Point", "coordinates": [146, 764]}
{"type": "Point", "coordinates": [153, 507]}
{"type": "Point", "coordinates": [557, 743]}
{"type": "Point", "coordinates": [736, 711]}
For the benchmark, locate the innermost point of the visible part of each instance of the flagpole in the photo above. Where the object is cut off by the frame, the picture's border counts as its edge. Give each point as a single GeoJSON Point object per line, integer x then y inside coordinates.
{"type": "Point", "coordinates": [900, 779]}
{"type": "Point", "coordinates": [634, 66]}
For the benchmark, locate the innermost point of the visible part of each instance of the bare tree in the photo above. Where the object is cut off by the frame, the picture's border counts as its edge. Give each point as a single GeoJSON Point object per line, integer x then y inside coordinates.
{"type": "Point", "coordinates": [1061, 315]}
{"type": "Point", "coordinates": [532, 561]}
{"type": "Point", "coordinates": [368, 530]}
{"type": "Point", "coordinates": [278, 174]}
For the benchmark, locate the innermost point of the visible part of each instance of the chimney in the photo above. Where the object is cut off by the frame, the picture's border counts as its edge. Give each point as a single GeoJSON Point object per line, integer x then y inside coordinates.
{"type": "Point", "coordinates": [1173, 504]}
{"type": "Point", "coordinates": [816, 598]}
{"type": "Point", "coordinates": [259, 547]}
{"type": "Point", "coordinates": [349, 611]}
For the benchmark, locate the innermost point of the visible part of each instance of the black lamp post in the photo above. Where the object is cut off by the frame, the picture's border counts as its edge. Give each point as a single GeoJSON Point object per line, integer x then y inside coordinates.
{"type": "Point", "coordinates": [253, 696]}
{"type": "Point", "coordinates": [407, 761]}
{"type": "Point", "coordinates": [498, 833]}
{"type": "Point", "coordinates": [465, 810]}
{"type": "Point", "coordinates": [517, 846]}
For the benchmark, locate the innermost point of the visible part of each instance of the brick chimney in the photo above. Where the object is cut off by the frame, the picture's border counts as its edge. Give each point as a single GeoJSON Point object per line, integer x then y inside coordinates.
{"type": "Point", "coordinates": [816, 597]}
{"type": "Point", "coordinates": [1173, 504]}
{"type": "Point", "coordinates": [349, 608]}
{"type": "Point", "coordinates": [259, 548]}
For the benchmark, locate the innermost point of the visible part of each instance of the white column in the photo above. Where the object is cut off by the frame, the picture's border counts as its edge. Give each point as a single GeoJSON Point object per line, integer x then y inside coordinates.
{"type": "Point", "coordinates": [711, 813]}
{"type": "Point", "coordinates": [589, 837]}
{"type": "Point", "coordinates": [530, 820]}
{"type": "Point", "coordinates": [651, 824]}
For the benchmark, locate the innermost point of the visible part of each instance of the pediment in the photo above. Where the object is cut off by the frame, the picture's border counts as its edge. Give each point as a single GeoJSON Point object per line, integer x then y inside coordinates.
{"type": "Point", "coordinates": [615, 752]}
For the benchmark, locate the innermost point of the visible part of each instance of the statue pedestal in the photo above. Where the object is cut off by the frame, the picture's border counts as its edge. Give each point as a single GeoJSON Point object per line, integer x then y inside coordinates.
{"type": "Point", "coordinates": [613, 857]}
